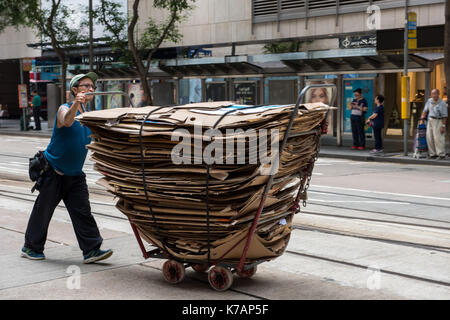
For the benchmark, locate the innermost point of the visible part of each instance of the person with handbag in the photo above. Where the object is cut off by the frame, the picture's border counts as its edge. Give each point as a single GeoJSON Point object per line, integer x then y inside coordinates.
{"type": "Point", "coordinates": [376, 121]}
{"type": "Point", "coordinates": [436, 114]}
{"type": "Point", "coordinates": [62, 178]}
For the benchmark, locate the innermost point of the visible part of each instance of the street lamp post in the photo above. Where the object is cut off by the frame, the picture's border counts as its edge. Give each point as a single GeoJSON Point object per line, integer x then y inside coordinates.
{"type": "Point", "coordinates": [91, 49]}
{"type": "Point", "coordinates": [405, 74]}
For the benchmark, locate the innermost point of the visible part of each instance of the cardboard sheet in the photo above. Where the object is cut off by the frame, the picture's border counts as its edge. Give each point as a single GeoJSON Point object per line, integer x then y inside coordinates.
{"type": "Point", "coordinates": [180, 207]}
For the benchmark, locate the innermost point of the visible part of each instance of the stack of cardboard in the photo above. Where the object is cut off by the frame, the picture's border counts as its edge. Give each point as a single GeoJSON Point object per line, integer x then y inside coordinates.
{"type": "Point", "coordinates": [184, 218]}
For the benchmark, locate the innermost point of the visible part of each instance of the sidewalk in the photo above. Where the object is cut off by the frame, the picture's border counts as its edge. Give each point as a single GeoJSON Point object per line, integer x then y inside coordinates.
{"type": "Point", "coordinates": [392, 147]}
{"type": "Point", "coordinates": [393, 151]}
{"type": "Point", "coordinates": [12, 127]}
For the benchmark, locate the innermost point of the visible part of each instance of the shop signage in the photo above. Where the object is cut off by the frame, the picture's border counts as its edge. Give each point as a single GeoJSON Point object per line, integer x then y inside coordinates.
{"type": "Point", "coordinates": [23, 96]}
{"type": "Point", "coordinates": [412, 30]}
{"type": "Point", "coordinates": [352, 42]}
{"type": "Point", "coordinates": [98, 59]}
{"type": "Point", "coordinates": [245, 93]}
{"type": "Point", "coordinates": [27, 64]}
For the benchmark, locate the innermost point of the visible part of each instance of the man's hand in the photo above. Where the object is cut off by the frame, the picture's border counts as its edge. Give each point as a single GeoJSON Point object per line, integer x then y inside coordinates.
{"type": "Point", "coordinates": [442, 130]}
{"type": "Point", "coordinates": [80, 98]}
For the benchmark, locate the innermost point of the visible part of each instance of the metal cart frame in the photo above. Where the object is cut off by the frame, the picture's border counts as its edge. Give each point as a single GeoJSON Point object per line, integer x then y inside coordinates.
{"type": "Point", "coordinates": [220, 276]}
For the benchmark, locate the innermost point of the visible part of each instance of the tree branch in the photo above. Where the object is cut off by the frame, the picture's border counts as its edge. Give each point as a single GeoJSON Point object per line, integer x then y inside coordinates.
{"type": "Point", "coordinates": [161, 39]}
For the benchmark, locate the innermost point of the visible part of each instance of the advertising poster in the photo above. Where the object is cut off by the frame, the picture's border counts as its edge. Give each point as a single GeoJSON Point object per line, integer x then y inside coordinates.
{"type": "Point", "coordinates": [195, 90]}
{"type": "Point", "coordinates": [99, 99]}
{"type": "Point", "coordinates": [135, 93]}
{"type": "Point", "coordinates": [245, 93]}
{"type": "Point", "coordinates": [114, 101]}
{"type": "Point", "coordinates": [23, 96]}
{"type": "Point", "coordinates": [366, 86]}
{"type": "Point", "coordinates": [324, 95]}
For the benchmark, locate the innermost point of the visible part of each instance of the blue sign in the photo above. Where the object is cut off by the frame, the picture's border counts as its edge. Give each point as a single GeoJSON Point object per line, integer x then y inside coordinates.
{"type": "Point", "coordinates": [367, 91]}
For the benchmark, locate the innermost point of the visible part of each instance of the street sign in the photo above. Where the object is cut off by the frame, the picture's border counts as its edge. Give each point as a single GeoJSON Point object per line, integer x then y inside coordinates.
{"type": "Point", "coordinates": [412, 30]}
{"type": "Point", "coordinates": [23, 96]}
{"type": "Point", "coordinates": [27, 64]}
{"type": "Point", "coordinates": [368, 41]}
{"type": "Point", "coordinates": [405, 94]}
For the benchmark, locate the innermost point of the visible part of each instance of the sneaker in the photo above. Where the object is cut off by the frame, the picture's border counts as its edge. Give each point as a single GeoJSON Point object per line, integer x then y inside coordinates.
{"type": "Point", "coordinates": [31, 254]}
{"type": "Point", "coordinates": [354, 147]}
{"type": "Point", "coordinates": [441, 158]}
{"type": "Point", "coordinates": [97, 255]}
{"type": "Point", "coordinates": [361, 148]}
{"type": "Point", "coordinates": [432, 157]}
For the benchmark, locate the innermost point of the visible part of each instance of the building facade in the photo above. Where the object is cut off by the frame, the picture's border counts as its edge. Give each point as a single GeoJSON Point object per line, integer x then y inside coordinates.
{"type": "Point", "coordinates": [266, 51]}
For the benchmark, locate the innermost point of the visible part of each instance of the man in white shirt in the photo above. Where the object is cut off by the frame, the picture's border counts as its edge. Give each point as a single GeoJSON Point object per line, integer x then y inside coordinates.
{"type": "Point", "coordinates": [437, 116]}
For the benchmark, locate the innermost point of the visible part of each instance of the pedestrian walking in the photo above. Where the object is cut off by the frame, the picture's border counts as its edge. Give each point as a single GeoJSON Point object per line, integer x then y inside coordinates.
{"type": "Point", "coordinates": [36, 104]}
{"type": "Point", "coordinates": [436, 114]}
{"type": "Point", "coordinates": [358, 107]}
{"type": "Point", "coordinates": [377, 122]}
{"type": "Point", "coordinates": [63, 179]}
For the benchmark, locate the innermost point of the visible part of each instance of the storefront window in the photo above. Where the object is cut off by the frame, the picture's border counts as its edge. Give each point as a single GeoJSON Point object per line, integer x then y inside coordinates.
{"type": "Point", "coordinates": [116, 100]}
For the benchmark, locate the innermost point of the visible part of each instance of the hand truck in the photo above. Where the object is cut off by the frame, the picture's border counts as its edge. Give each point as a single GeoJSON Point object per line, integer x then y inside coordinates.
{"type": "Point", "coordinates": [220, 276]}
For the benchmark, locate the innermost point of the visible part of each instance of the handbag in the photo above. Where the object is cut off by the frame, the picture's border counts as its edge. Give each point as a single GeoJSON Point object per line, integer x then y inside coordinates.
{"type": "Point", "coordinates": [36, 168]}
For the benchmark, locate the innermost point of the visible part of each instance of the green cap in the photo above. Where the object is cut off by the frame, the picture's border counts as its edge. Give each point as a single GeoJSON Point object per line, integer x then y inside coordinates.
{"type": "Point", "coordinates": [91, 75]}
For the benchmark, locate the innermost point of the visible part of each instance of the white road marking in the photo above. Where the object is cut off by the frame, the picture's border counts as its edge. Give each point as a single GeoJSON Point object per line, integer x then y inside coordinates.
{"type": "Point", "coordinates": [381, 192]}
{"type": "Point", "coordinates": [358, 201]}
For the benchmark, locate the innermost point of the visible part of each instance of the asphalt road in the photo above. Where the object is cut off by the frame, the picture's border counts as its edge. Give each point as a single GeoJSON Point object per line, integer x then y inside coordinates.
{"type": "Point", "coordinates": [370, 230]}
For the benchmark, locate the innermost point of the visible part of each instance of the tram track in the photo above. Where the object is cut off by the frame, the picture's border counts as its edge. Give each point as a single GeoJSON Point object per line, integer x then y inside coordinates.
{"type": "Point", "coordinates": [365, 267]}
{"type": "Point", "coordinates": [14, 195]}
{"type": "Point", "coordinates": [380, 199]}
{"type": "Point", "coordinates": [381, 220]}
{"type": "Point", "coordinates": [31, 198]}
{"type": "Point", "coordinates": [378, 212]}
{"type": "Point", "coordinates": [396, 242]}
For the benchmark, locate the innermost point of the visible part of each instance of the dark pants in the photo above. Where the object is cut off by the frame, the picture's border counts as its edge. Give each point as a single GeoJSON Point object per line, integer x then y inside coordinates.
{"type": "Point", "coordinates": [359, 138]}
{"type": "Point", "coordinates": [37, 119]}
{"type": "Point", "coordinates": [377, 136]}
{"type": "Point", "coordinates": [74, 192]}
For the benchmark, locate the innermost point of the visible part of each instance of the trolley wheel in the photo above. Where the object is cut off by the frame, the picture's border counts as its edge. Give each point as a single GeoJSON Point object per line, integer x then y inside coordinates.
{"type": "Point", "coordinates": [201, 268]}
{"type": "Point", "coordinates": [220, 278]}
{"type": "Point", "coordinates": [246, 273]}
{"type": "Point", "coordinates": [173, 271]}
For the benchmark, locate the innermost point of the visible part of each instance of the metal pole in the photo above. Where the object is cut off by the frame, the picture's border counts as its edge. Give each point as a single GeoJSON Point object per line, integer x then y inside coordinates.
{"type": "Point", "coordinates": [25, 125]}
{"type": "Point", "coordinates": [405, 60]}
{"type": "Point", "coordinates": [340, 110]}
{"type": "Point", "coordinates": [91, 35]}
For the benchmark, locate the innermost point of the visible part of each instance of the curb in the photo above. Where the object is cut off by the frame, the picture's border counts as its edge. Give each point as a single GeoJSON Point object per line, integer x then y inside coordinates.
{"type": "Point", "coordinates": [321, 154]}
{"type": "Point", "coordinates": [27, 134]}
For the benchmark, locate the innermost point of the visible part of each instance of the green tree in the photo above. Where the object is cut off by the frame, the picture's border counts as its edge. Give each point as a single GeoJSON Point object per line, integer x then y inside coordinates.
{"type": "Point", "coordinates": [63, 26]}
{"type": "Point", "coordinates": [60, 25]}
{"type": "Point", "coordinates": [12, 13]}
{"type": "Point", "coordinates": [283, 47]}
{"type": "Point", "coordinates": [138, 50]}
